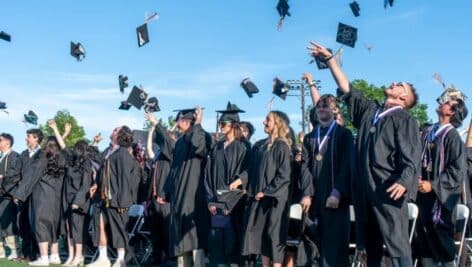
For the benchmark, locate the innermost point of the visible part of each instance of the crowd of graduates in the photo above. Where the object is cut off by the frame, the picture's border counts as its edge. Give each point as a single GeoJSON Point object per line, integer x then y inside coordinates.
{"type": "Point", "coordinates": [220, 200]}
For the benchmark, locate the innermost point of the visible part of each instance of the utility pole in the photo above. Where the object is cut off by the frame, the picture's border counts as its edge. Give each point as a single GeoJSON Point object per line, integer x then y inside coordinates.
{"type": "Point", "coordinates": [299, 85]}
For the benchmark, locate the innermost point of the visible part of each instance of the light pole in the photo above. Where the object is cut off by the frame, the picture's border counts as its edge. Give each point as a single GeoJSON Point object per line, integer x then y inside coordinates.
{"type": "Point", "coordinates": [299, 87]}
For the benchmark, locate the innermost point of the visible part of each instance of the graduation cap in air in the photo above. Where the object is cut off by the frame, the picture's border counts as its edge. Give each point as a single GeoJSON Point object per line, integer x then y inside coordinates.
{"type": "Point", "coordinates": [347, 35]}
{"type": "Point", "coordinates": [249, 87]}
{"type": "Point", "coordinates": [137, 97]}
{"type": "Point", "coordinates": [388, 2]}
{"type": "Point", "coordinates": [280, 89]}
{"type": "Point", "coordinates": [321, 61]}
{"type": "Point", "coordinates": [355, 8]}
{"type": "Point", "coordinates": [31, 118]}
{"type": "Point", "coordinates": [451, 94]}
{"type": "Point", "coordinates": [77, 50]}
{"type": "Point", "coordinates": [188, 113]}
{"type": "Point", "coordinates": [152, 105]}
{"type": "Point", "coordinates": [142, 34]}
{"type": "Point", "coordinates": [3, 105]}
{"type": "Point", "coordinates": [282, 8]}
{"type": "Point", "coordinates": [231, 113]}
{"type": "Point", "coordinates": [124, 105]}
{"type": "Point", "coordinates": [123, 82]}
{"type": "Point", "coordinates": [5, 36]}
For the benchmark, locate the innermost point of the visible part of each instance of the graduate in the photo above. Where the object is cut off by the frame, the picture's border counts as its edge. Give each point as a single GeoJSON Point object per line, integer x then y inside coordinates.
{"type": "Point", "coordinates": [117, 187]}
{"type": "Point", "coordinates": [266, 219]}
{"type": "Point", "coordinates": [161, 163]}
{"type": "Point", "coordinates": [77, 182]}
{"type": "Point", "coordinates": [29, 245]}
{"type": "Point", "coordinates": [10, 176]}
{"type": "Point", "coordinates": [98, 231]}
{"type": "Point", "coordinates": [328, 158]}
{"type": "Point", "coordinates": [185, 191]}
{"type": "Point", "coordinates": [444, 167]}
{"type": "Point", "coordinates": [226, 176]}
{"type": "Point", "coordinates": [44, 183]}
{"type": "Point", "coordinates": [388, 148]}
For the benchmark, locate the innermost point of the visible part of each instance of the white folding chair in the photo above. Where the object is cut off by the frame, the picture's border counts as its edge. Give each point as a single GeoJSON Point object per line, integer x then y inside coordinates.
{"type": "Point", "coordinates": [296, 216]}
{"type": "Point", "coordinates": [137, 212]}
{"type": "Point", "coordinates": [412, 216]}
{"type": "Point", "coordinates": [462, 214]}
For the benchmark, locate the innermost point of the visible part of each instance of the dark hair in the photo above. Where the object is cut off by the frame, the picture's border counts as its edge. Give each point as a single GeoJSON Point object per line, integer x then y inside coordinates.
{"type": "Point", "coordinates": [139, 153]}
{"type": "Point", "coordinates": [55, 160]}
{"type": "Point", "coordinates": [460, 113]}
{"type": "Point", "coordinates": [36, 132]}
{"type": "Point", "coordinates": [81, 154]}
{"type": "Point", "coordinates": [9, 137]}
{"type": "Point", "coordinates": [250, 128]}
{"type": "Point", "coordinates": [415, 98]}
{"type": "Point", "coordinates": [238, 134]}
{"type": "Point", "coordinates": [313, 117]}
{"type": "Point", "coordinates": [124, 137]}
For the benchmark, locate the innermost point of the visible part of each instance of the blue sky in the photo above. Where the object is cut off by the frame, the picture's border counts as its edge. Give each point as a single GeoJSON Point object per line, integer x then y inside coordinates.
{"type": "Point", "coordinates": [201, 50]}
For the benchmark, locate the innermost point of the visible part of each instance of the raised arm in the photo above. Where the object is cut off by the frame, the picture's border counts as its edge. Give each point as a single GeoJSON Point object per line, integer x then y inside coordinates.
{"type": "Point", "coordinates": [315, 94]}
{"type": "Point", "coordinates": [153, 121]}
{"type": "Point", "coordinates": [341, 79]}
{"type": "Point", "coordinates": [57, 134]}
{"type": "Point", "coordinates": [67, 130]}
{"type": "Point", "coordinates": [468, 141]}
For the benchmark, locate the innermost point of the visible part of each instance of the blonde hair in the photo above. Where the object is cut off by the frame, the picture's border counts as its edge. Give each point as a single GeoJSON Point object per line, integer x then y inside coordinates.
{"type": "Point", "coordinates": [281, 128]}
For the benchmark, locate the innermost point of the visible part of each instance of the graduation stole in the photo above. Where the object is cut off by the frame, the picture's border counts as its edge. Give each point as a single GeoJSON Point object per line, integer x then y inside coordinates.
{"type": "Point", "coordinates": [380, 115]}
{"type": "Point", "coordinates": [106, 191]}
{"type": "Point", "coordinates": [430, 137]}
{"type": "Point", "coordinates": [321, 147]}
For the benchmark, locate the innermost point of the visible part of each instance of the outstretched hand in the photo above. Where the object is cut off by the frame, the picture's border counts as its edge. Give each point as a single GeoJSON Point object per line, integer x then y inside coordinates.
{"type": "Point", "coordinates": [316, 49]}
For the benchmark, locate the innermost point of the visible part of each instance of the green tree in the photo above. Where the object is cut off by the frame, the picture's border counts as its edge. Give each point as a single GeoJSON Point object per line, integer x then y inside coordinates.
{"type": "Point", "coordinates": [62, 117]}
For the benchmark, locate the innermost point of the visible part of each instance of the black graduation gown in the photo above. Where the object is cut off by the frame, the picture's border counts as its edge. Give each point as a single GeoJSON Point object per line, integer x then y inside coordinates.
{"type": "Point", "coordinates": [389, 155]}
{"type": "Point", "coordinates": [226, 165]}
{"type": "Point", "coordinates": [10, 170]}
{"type": "Point", "coordinates": [301, 186]}
{"type": "Point", "coordinates": [185, 191]}
{"type": "Point", "coordinates": [29, 246]}
{"type": "Point", "coordinates": [45, 188]}
{"type": "Point", "coordinates": [77, 182]}
{"type": "Point", "coordinates": [159, 173]}
{"type": "Point", "coordinates": [266, 221]}
{"type": "Point", "coordinates": [332, 172]}
{"type": "Point", "coordinates": [437, 240]}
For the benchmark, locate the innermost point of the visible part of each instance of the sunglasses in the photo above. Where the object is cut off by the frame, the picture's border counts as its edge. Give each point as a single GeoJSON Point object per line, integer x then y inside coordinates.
{"type": "Point", "coordinates": [225, 123]}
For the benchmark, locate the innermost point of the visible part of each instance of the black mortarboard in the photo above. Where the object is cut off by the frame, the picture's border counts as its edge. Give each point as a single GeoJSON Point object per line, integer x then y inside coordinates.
{"type": "Point", "coordinates": [355, 8]}
{"type": "Point", "coordinates": [123, 82]}
{"type": "Point", "coordinates": [5, 36]}
{"type": "Point", "coordinates": [124, 105]}
{"type": "Point", "coordinates": [142, 34]}
{"type": "Point", "coordinates": [137, 97]}
{"type": "Point", "coordinates": [77, 50]}
{"type": "Point", "coordinates": [3, 105]}
{"type": "Point", "coordinates": [280, 89]}
{"type": "Point", "coordinates": [231, 113]}
{"type": "Point", "coordinates": [321, 61]}
{"type": "Point", "coordinates": [188, 113]}
{"type": "Point", "coordinates": [347, 35]}
{"type": "Point", "coordinates": [31, 117]}
{"type": "Point", "coordinates": [249, 87]}
{"type": "Point", "coordinates": [152, 105]}
{"type": "Point", "coordinates": [282, 8]}
{"type": "Point", "coordinates": [388, 2]}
